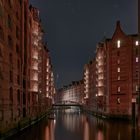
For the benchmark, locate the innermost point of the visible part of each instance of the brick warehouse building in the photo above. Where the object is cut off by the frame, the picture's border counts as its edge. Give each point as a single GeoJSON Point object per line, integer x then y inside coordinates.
{"type": "Point", "coordinates": [90, 84]}
{"type": "Point", "coordinates": [138, 16]}
{"type": "Point", "coordinates": [71, 94]}
{"type": "Point", "coordinates": [124, 74]}
{"type": "Point", "coordinates": [117, 73]}
{"type": "Point", "coordinates": [26, 74]}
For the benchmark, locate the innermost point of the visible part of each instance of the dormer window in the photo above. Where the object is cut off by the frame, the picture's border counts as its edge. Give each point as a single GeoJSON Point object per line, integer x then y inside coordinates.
{"type": "Point", "coordinates": [118, 43]}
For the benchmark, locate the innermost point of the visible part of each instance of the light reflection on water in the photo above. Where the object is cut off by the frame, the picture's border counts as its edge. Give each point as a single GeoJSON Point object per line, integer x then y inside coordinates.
{"type": "Point", "coordinates": [72, 125]}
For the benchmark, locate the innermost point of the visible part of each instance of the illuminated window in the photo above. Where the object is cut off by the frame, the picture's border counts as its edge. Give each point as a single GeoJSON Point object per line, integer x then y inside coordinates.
{"type": "Point", "coordinates": [118, 100]}
{"type": "Point", "coordinates": [119, 78]}
{"type": "Point", "coordinates": [119, 70]}
{"type": "Point", "coordinates": [137, 88]}
{"type": "Point", "coordinates": [137, 43]}
{"type": "Point", "coordinates": [118, 61]}
{"type": "Point", "coordinates": [137, 59]}
{"type": "Point", "coordinates": [119, 89]}
{"type": "Point", "coordinates": [118, 43]}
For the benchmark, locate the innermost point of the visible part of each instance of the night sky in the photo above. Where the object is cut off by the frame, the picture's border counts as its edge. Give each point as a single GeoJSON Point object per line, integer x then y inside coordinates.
{"type": "Point", "coordinates": [74, 27]}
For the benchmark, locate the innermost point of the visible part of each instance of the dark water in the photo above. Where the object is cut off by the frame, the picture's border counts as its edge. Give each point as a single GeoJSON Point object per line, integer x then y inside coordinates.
{"type": "Point", "coordinates": [70, 125]}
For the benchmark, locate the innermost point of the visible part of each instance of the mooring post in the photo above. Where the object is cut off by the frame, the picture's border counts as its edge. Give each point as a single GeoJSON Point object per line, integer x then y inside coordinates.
{"type": "Point", "coordinates": [133, 112]}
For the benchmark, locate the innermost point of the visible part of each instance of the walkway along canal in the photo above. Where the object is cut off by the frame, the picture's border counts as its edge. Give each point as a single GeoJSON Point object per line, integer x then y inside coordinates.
{"type": "Point", "coordinates": [71, 124]}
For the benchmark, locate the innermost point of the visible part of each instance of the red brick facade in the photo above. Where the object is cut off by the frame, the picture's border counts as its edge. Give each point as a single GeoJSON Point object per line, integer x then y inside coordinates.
{"type": "Point", "coordinates": [24, 66]}
{"type": "Point", "coordinates": [124, 72]}
{"type": "Point", "coordinates": [117, 74]}
{"type": "Point", "coordinates": [72, 94]}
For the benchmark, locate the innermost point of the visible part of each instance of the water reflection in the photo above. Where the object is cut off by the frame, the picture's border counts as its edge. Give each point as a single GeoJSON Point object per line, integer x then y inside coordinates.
{"type": "Point", "coordinates": [71, 125]}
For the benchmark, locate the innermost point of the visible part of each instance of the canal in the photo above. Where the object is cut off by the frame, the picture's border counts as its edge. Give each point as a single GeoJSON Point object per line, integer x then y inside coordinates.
{"type": "Point", "coordinates": [72, 125]}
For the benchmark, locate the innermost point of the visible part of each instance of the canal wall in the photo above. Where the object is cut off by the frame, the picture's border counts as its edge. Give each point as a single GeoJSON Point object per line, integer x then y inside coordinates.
{"type": "Point", "coordinates": [21, 125]}
{"type": "Point", "coordinates": [105, 115]}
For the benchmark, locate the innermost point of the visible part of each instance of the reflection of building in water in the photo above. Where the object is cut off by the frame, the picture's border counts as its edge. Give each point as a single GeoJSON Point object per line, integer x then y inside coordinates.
{"type": "Point", "coordinates": [86, 129]}
{"type": "Point", "coordinates": [49, 131]}
{"type": "Point", "coordinates": [71, 122]}
{"type": "Point", "coordinates": [100, 135]}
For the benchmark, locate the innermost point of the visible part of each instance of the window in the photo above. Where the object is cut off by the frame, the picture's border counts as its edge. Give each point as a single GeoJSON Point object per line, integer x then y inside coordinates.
{"type": "Point", "coordinates": [119, 78]}
{"type": "Point", "coordinates": [17, 48]}
{"type": "Point", "coordinates": [11, 58]}
{"type": "Point", "coordinates": [1, 75]}
{"type": "Point", "coordinates": [0, 52]}
{"type": "Point", "coordinates": [18, 112]}
{"type": "Point", "coordinates": [18, 65]}
{"type": "Point", "coordinates": [137, 43]}
{"type": "Point", "coordinates": [1, 10]}
{"type": "Point", "coordinates": [18, 80]}
{"type": "Point", "coordinates": [1, 115]}
{"type": "Point", "coordinates": [136, 51]}
{"type": "Point", "coordinates": [11, 114]}
{"type": "Point", "coordinates": [10, 42]}
{"type": "Point", "coordinates": [118, 61]}
{"type": "Point", "coordinates": [17, 15]}
{"type": "Point", "coordinates": [18, 96]}
{"type": "Point", "coordinates": [11, 76]}
{"type": "Point", "coordinates": [118, 43]}
{"type": "Point", "coordinates": [11, 94]}
{"type": "Point", "coordinates": [10, 3]}
{"type": "Point", "coordinates": [137, 59]}
{"type": "Point", "coordinates": [20, 2]}
{"type": "Point", "coordinates": [119, 89]}
{"type": "Point", "coordinates": [1, 34]}
{"type": "Point", "coordinates": [119, 69]}
{"type": "Point", "coordinates": [137, 88]}
{"type": "Point", "coordinates": [118, 100]}
{"type": "Point", "coordinates": [11, 61]}
{"type": "Point", "coordinates": [9, 22]}
{"type": "Point", "coordinates": [17, 32]}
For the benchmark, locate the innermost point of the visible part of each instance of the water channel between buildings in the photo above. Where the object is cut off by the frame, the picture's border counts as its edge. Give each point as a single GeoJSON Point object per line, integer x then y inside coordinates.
{"type": "Point", "coordinates": [70, 124]}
